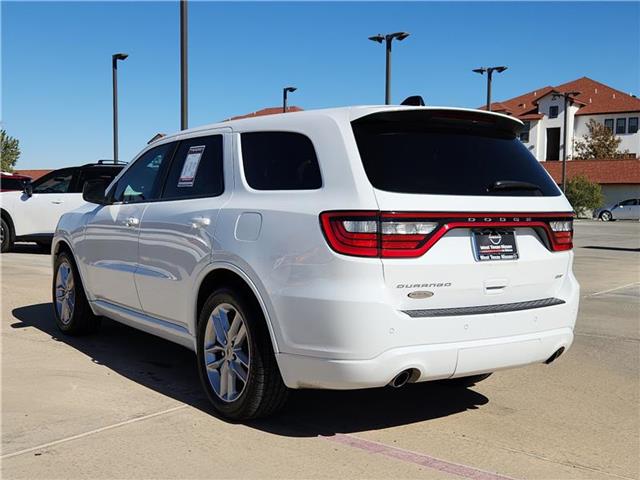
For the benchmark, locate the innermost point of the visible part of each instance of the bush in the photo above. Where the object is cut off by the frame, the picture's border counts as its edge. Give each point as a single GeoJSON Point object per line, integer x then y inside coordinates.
{"type": "Point", "coordinates": [584, 195]}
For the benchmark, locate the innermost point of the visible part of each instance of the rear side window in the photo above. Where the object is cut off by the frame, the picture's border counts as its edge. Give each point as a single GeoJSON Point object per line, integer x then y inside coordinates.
{"type": "Point", "coordinates": [94, 173]}
{"type": "Point", "coordinates": [445, 153]}
{"type": "Point", "coordinates": [196, 170]}
{"type": "Point", "coordinates": [280, 161]}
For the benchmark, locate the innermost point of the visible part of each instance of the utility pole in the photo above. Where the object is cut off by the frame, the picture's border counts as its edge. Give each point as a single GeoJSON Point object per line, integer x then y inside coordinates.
{"type": "Point", "coordinates": [388, 39]}
{"type": "Point", "coordinates": [114, 79]}
{"type": "Point", "coordinates": [184, 74]}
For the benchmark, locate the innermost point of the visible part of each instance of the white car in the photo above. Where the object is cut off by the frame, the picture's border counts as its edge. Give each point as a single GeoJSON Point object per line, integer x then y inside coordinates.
{"type": "Point", "coordinates": [340, 249]}
{"type": "Point", "coordinates": [31, 215]}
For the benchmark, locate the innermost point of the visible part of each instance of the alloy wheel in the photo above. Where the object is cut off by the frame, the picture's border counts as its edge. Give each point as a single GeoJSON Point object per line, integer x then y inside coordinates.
{"type": "Point", "coordinates": [65, 292]}
{"type": "Point", "coordinates": [227, 353]}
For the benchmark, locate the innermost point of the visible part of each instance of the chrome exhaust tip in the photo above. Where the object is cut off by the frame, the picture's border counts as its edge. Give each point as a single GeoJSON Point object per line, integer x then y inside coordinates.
{"type": "Point", "coordinates": [401, 379]}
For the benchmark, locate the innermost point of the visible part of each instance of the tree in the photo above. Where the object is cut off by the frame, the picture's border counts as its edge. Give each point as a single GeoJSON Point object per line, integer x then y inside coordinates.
{"type": "Point", "coordinates": [583, 194]}
{"type": "Point", "coordinates": [600, 142]}
{"type": "Point", "coordinates": [10, 151]}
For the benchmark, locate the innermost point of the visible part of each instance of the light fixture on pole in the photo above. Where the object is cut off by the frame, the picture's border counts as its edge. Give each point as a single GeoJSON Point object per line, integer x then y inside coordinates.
{"type": "Point", "coordinates": [285, 92]}
{"type": "Point", "coordinates": [114, 77]}
{"type": "Point", "coordinates": [388, 39]}
{"type": "Point", "coordinates": [567, 96]}
{"type": "Point", "coordinates": [489, 71]}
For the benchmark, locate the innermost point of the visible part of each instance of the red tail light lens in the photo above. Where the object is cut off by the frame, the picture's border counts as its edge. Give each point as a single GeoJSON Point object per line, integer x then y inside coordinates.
{"type": "Point", "coordinates": [410, 235]}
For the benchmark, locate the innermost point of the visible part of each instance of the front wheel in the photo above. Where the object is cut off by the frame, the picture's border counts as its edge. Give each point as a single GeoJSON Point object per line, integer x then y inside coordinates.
{"type": "Point", "coordinates": [606, 216]}
{"type": "Point", "coordinates": [6, 237]}
{"type": "Point", "coordinates": [236, 362]}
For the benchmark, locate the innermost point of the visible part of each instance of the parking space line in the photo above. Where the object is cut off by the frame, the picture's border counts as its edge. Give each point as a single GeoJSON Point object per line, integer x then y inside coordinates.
{"type": "Point", "coordinates": [613, 289]}
{"type": "Point", "coordinates": [416, 458]}
{"type": "Point", "coordinates": [92, 432]}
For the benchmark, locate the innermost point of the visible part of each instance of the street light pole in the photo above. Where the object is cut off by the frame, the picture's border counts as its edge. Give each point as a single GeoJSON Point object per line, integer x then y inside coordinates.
{"type": "Point", "coordinates": [489, 71]}
{"type": "Point", "coordinates": [114, 78]}
{"type": "Point", "coordinates": [184, 37]}
{"type": "Point", "coordinates": [285, 91]}
{"type": "Point", "coordinates": [388, 39]}
{"type": "Point", "coordinates": [567, 96]}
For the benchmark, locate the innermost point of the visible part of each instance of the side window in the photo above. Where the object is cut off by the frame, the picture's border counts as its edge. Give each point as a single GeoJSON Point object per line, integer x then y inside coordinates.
{"type": "Point", "coordinates": [141, 182]}
{"type": "Point", "coordinates": [94, 173]}
{"type": "Point", "coordinates": [280, 161]}
{"type": "Point", "coordinates": [628, 203]}
{"type": "Point", "coordinates": [54, 182]}
{"type": "Point", "coordinates": [196, 170]}
{"type": "Point", "coordinates": [553, 111]}
{"type": "Point", "coordinates": [524, 133]}
{"type": "Point", "coordinates": [633, 124]}
{"type": "Point", "coordinates": [621, 125]}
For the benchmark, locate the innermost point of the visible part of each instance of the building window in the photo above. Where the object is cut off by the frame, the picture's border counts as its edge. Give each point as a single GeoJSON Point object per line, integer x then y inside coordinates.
{"type": "Point", "coordinates": [553, 111]}
{"type": "Point", "coordinates": [633, 124]}
{"type": "Point", "coordinates": [524, 133]}
{"type": "Point", "coordinates": [608, 123]}
{"type": "Point", "coordinates": [621, 125]}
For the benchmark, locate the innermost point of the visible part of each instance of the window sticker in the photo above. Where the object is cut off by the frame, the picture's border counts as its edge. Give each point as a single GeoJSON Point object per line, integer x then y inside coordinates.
{"type": "Point", "coordinates": [190, 167]}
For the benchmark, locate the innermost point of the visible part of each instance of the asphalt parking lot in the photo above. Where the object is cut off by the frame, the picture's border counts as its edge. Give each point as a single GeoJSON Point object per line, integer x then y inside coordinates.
{"type": "Point", "coordinates": [124, 404]}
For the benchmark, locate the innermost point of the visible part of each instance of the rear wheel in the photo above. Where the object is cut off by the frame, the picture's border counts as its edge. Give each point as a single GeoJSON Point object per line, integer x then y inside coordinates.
{"type": "Point", "coordinates": [6, 236]}
{"type": "Point", "coordinates": [470, 381]}
{"type": "Point", "coordinates": [70, 306]}
{"type": "Point", "coordinates": [236, 363]}
{"type": "Point", "coordinates": [606, 216]}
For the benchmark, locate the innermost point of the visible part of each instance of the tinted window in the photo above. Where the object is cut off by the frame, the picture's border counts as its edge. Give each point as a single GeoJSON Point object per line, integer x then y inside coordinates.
{"type": "Point", "coordinates": [553, 111]}
{"type": "Point", "coordinates": [633, 124]}
{"type": "Point", "coordinates": [280, 161]}
{"type": "Point", "coordinates": [58, 181]}
{"type": "Point", "coordinates": [621, 125]}
{"type": "Point", "coordinates": [524, 133]}
{"type": "Point", "coordinates": [418, 152]}
{"type": "Point", "coordinates": [633, 201]}
{"type": "Point", "coordinates": [93, 173]}
{"type": "Point", "coordinates": [141, 181]}
{"type": "Point", "coordinates": [196, 170]}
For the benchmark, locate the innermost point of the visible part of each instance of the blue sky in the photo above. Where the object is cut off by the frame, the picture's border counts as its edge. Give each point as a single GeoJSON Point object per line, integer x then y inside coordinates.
{"type": "Point", "coordinates": [56, 61]}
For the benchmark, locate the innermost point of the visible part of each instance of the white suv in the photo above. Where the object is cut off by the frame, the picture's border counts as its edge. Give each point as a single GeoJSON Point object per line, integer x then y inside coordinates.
{"type": "Point", "coordinates": [344, 248]}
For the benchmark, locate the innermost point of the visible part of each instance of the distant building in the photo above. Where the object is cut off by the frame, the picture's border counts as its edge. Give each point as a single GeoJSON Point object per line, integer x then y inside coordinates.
{"type": "Point", "coordinates": [543, 115]}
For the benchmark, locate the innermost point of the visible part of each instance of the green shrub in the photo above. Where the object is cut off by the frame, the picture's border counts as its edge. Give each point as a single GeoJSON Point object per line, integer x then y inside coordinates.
{"type": "Point", "coordinates": [584, 195]}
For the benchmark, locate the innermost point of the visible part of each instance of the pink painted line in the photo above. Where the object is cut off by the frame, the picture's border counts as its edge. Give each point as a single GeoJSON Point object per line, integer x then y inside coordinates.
{"type": "Point", "coordinates": [416, 458]}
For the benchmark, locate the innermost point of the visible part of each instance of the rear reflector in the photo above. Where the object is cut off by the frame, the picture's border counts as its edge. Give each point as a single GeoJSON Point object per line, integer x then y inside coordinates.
{"type": "Point", "coordinates": [411, 234]}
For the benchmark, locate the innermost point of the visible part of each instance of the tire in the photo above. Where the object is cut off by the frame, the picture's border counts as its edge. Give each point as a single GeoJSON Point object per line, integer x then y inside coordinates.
{"type": "Point", "coordinates": [464, 382]}
{"type": "Point", "coordinates": [248, 354]}
{"type": "Point", "coordinates": [70, 306]}
{"type": "Point", "coordinates": [606, 216]}
{"type": "Point", "coordinates": [7, 237]}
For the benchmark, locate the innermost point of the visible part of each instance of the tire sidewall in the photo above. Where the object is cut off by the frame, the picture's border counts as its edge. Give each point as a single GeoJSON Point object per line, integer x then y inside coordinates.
{"type": "Point", "coordinates": [241, 407]}
{"type": "Point", "coordinates": [77, 285]}
{"type": "Point", "coordinates": [606, 216]}
{"type": "Point", "coordinates": [6, 241]}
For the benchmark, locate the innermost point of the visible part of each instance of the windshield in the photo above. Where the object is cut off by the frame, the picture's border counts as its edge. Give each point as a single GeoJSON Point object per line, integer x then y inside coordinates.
{"type": "Point", "coordinates": [448, 153]}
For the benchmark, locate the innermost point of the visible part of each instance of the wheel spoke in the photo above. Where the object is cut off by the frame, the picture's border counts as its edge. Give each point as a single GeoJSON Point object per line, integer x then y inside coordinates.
{"type": "Point", "coordinates": [215, 364]}
{"type": "Point", "coordinates": [242, 358]}
{"type": "Point", "coordinates": [239, 371]}
{"type": "Point", "coordinates": [241, 336]}
{"type": "Point", "coordinates": [236, 324]}
{"type": "Point", "coordinates": [221, 325]}
{"type": "Point", "coordinates": [231, 383]}
{"type": "Point", "coordinates": [224, 380]}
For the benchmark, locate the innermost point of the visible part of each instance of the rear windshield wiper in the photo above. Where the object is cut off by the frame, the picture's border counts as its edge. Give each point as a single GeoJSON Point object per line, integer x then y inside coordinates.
{"type": "Point", "coordinates": [513, 185]}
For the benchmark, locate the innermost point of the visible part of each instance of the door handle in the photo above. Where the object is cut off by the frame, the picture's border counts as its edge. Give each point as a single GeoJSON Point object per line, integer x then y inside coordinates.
{"type": "Point", "coordinates": [199, 222]}
{"type": "Point", "coordinates": [131, 222]}
{"type": "Point", "coordinates": [57, 202]}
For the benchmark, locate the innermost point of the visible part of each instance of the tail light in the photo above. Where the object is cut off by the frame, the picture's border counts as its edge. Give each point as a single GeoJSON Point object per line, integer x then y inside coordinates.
{"type": "Point", "coordinates": [409, 235]}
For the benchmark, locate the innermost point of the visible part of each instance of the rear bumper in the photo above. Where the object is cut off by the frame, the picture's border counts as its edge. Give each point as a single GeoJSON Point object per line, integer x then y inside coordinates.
{"type": "Point", "coordinates": [431, 362]}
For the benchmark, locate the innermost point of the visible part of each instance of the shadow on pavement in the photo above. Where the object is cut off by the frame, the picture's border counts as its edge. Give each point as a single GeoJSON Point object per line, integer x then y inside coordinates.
{"type": "Point", "coordinates": [170, 370]}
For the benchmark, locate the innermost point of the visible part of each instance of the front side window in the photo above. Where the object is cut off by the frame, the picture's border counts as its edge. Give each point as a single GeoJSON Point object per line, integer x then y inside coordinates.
{"type": "Point", "coordinates": [196, 170]}
{"type": "Point", "coordinates": [633, 124]}
{"type": "Point", "coordinates": [553, 111]}
{"type": "Point", "coordinates": [54, 182]}
{"type": "Point", "coordinates": [280, 161]}
{"type": "Point", "coordinates": [621, 125]}
{"type": "Point", "coordinates": [608, 123]}
{"type": "Point", "coordinates": [524, 133]}
{"type": "Point", "coordinates": [630, 202]}
{"type": "Point", "coordinates": [140, 183]}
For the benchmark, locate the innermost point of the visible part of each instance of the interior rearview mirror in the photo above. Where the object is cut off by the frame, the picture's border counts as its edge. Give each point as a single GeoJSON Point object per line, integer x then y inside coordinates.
{"type": "Point", "coordinates": [93, 191]}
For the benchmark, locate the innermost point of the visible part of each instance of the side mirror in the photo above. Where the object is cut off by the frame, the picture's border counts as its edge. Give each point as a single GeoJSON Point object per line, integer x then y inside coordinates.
{"type": "Point", "coordinates": [28, 189]}
{"type": "Point", "coordinates": [93, 191]}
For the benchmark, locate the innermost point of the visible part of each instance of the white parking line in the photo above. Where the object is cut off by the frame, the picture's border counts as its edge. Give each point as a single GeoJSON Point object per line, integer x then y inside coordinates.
{"type": "Point", "coordinates": [91, 432]}
{"type": "Point", "coordinates": [613, 289]}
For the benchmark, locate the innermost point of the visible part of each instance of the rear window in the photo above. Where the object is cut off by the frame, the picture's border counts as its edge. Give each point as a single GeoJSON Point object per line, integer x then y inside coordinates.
{"type": "Point", "coordinates": [280, 161]}
{"type": "Point", "coordinates": [448, 153]}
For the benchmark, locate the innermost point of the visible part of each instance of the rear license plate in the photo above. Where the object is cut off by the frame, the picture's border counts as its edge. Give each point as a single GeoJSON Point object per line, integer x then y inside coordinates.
{"type": "Point", "coordinates": [496, 244]}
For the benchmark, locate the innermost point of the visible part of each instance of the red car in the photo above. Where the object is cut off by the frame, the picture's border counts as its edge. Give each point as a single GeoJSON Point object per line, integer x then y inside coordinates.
{"type": "Point", "coordinates": [11, 181]}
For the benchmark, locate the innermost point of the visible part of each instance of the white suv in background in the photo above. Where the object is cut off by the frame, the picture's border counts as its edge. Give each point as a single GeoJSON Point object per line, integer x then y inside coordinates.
{"type": "Point", "coordinates": [344, 248]}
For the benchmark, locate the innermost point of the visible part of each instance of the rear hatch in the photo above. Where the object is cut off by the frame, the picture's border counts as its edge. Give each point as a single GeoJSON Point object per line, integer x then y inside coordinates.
{"type": "Point", "coordinates": [467, 216]}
